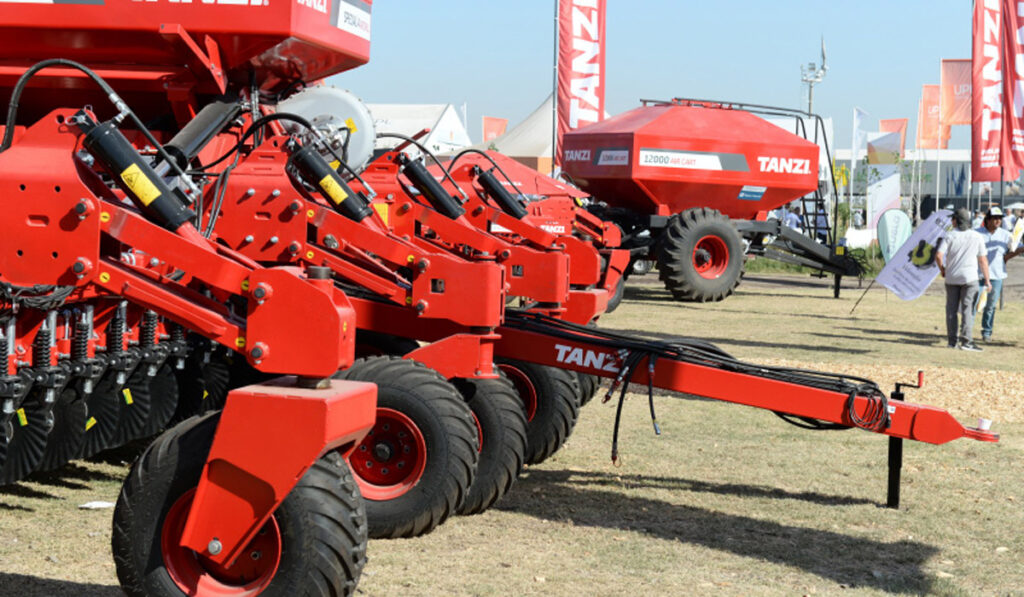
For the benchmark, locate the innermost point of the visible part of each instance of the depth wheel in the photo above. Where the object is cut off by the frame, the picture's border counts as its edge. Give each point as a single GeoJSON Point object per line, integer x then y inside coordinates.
{"type": "Point", "coordinates": [136, 403]}
{"type": "Point", "coordinates": [551, 399]}
{"type": "Point", "coordinates": [501, 422]}
{"type": "Point", "coordinates": [203, 383]}
{"type": "Point", "coordinates": [416, 465]}
{"type": "Point", "coordinates": [22, 452]}
{"type": "Point", "coordinates": [700, 256]}
{"type": "Point", "coordinates": [314, 544]}
{"type": "Point", "coordinates": [103, 409]}
{"type": "Point", "coordinates": [65, 440]}
{"type": "Point", "coordinates": [163, 390]}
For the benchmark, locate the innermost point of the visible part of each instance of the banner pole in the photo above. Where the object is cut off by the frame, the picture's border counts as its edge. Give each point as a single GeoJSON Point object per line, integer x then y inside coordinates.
{"type": "Point", "coordinates": [554, 96]}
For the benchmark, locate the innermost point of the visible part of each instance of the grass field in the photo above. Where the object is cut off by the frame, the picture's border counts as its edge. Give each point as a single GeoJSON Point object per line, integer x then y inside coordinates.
{"type": "Point", "coordinates": [727, 501]}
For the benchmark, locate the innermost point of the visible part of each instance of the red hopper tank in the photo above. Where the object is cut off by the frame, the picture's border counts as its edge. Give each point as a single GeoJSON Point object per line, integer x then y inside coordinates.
{"type": "Point", "coordinates": [664, 158]}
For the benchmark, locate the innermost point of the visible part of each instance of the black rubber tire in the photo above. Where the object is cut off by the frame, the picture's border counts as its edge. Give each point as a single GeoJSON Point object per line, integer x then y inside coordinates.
{"type": "Point", "coordinates": [322, 521]}
{"type": "Point", "coordinates": [136, 403]}
{"type": "Point", "coordinates": [588, 386]}
{"type": "Point", "coordinates": [64, 442]}
{"type": "Point", "coordinates": [558, 407]}
{"type": "Point", "coordinates": [641, 267]}
{"type": "Point", "coordinates": [372, 344]}
{"type": "Point", "coordinates": [449, 432]}
{"type": "Point", "coordinates": [202, 386]}
{"type": "Point", "coordinates": [499, 414]}
{"type": "Point", "coordinates": [22, 455]}
{"type": "Point", "coordinates": [163, 390]}
{"type": "Point", "coordinates": [678, 245]}
{"type": "Point", "coordinates": [616, 298]}
{"type": "Point", "coordinates": [103, 407]}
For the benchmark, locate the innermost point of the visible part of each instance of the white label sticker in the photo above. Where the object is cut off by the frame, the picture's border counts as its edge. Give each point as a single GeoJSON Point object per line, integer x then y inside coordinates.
{"type": "Point", "coordinates": [353, 20]}
{"type": "Point", "coordinates": [679, 159]}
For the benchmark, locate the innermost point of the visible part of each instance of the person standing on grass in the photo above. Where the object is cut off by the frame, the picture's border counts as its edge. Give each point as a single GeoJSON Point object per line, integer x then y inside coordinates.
{"type": "Point", "coordinates": [959, 256]}
{"type": "Point", "coordinates": [997, 243]}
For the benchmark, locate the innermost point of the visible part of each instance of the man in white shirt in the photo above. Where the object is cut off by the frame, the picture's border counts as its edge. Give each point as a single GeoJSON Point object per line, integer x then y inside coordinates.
{"type": "Point", "coordinates": [959, 256]}
{"type": "Point", "coordinates": [997, 244]}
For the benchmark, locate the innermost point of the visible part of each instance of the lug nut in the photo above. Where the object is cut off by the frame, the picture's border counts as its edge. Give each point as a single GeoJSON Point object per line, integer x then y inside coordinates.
{"type": "Point", "coordinates": [214, 546]}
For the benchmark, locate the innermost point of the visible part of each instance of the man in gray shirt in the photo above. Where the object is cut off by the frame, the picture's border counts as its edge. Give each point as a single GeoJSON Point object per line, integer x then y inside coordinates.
{"type": "Point", "coordinates": [959, 256]}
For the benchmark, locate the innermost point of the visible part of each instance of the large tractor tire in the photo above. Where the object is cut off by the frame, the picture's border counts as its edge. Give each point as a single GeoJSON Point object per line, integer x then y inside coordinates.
{"type": "Point", "coordinates": [22, 451]}
{"type": "Point", "coordinates": [64, 442]}
{"type": "Point", "coordinates": [700, 256]}
{"type": "Point", "coordinates": [589, 384]}
{"type": "Point", "coordinates": [500, 420]}
{"type": "Point", "coordinates": [314, 544]}
{"type": "Point", "coordinates": [616, 297]}
{"type": "Point", "coordinates": [416, 465]}
{"type": "Point", "coordinates": [551, 398]}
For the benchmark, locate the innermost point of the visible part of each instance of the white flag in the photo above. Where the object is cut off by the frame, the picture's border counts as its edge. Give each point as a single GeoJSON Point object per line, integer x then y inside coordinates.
{"type": "Point", "coordinates": [913, 267]}
{"type": "Point", "coordinates": [859, 136]}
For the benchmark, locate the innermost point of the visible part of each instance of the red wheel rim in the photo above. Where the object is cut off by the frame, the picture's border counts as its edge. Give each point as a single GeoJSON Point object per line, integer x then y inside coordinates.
{"type": "Point", "coordinates": [710, 257]}
{"type": "Point", "coordinates": [524, 387]}
{"type": "Point", "coordinates": [196, 575]}
{"type": "Point", "coordinates": [391, 458]}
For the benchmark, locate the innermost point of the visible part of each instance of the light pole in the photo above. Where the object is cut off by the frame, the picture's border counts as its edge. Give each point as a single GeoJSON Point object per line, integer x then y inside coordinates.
{"type": "Point", "coordinates": [811, 73]}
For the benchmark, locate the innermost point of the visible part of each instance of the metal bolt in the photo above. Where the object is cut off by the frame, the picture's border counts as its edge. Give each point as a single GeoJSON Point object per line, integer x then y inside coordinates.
{"type": "Point", "coordinates": [250, 192]}
{"type": "Point", "coordinates": [214, 547]}
{"type": "Point", "coordinates": [154, 262]}
{"type": "Point", "coordinates": [274, 240]}
{"type": "Point", "coordinates": [249, 238]}
{"type": "Point", "coordinates": [255, 555]}
{"type": "Point", "coordinates": [275, 193]}
{"type": "Point", "coordinates": [331, 242]}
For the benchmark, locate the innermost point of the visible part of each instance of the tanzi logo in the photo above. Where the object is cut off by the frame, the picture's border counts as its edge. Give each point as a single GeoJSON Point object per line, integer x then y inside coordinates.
{"type": "Point", "coordinates": [577, 155]}
{"type": "Point", "coordinates": [784, 165]}
{"type": "Point", "coordinates": [602, 361]}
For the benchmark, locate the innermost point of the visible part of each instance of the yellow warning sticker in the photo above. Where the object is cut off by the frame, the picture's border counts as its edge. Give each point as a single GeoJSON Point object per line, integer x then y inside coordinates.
{"type": "Point", "coordinates": [205, 394]}
{"type": "Point", "coordinates": [351, 124]}
{"type": "Point", "coordinates": [334, 165]}
{"type": "Point", "coordinates": [90, 423]}
{"type": "Point", "coordinates": [382, 211]}
{"type": "Point", "coordinates": [127, 393]}
{"type": "Point", "coordinates": [140, 184]}
{"type": "Point", "coordinates": [22, 419]}
{"type": "Point", "coordinates": [333, 189]}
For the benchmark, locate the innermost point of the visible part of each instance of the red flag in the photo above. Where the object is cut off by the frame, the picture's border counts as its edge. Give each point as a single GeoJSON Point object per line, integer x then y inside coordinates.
{"type": "Point", "coordinates": [987, 94]}
{"type": "Point", "coordinates": [494, 127]}
{"type": "Point", "coordinates": [581, 27]}
{"type": "Point", "coordinates": [955, 98]}
{"type": "Point", "coordinates": [895, 125]}
{"type": "Point", "coordinates": [929, 134]}
{"type": "Point", "coordinates": [1013, 88]}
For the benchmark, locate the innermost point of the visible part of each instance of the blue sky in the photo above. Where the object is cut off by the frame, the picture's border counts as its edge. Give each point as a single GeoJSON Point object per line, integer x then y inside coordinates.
{"type": "Point", "coordinates": [497, 56]}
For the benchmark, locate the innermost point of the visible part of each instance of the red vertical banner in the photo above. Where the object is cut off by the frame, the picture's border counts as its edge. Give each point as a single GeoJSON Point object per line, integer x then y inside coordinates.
{"type": "Point", "coordinates": [581, 29]}
{"type": "Point", "coordinates": [895, 125]}
{"type": "Point", "coordinates": [930, 135]}
{"type": "Point", "coordinates": [987, 92]}
{"type": "Point", "coordinates": [955, 97]}
{"type": "Point", "coordinates": [1013, 87]}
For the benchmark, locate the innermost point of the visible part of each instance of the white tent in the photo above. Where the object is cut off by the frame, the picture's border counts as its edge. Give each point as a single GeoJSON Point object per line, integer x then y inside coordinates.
{"type": "Point", "coordinates": [528, 142]}
{"type": "Point", "coordinates": [447, 131]}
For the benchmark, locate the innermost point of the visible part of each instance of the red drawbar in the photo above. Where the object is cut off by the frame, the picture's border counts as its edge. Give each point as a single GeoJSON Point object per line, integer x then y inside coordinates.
{"type": "Point", "coordinates": [268, 436]}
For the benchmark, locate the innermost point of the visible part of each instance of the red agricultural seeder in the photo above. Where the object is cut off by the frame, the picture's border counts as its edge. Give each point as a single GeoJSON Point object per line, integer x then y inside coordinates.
{"type": "Point", "coordinates": [690, 182]}
{"type": "Point", "coordinates": [195, 221]}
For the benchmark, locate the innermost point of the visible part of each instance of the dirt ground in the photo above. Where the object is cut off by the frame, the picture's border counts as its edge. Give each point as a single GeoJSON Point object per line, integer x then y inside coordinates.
{"type": "Point", "coordinates": [728, 500]}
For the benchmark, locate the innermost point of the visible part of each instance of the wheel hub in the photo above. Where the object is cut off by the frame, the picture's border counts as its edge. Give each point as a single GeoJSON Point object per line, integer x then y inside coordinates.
{"type": "Point", "coordinates": [197, 575]}
{"type": "Point", "coordinates": [710, 257]}
{"type": "Point", "coordinates": [391, 458]}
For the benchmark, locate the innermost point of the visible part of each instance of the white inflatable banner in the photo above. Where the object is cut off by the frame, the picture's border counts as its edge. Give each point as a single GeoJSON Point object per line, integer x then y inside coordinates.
{"type": "Point", "coordinates": [912, 268]}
